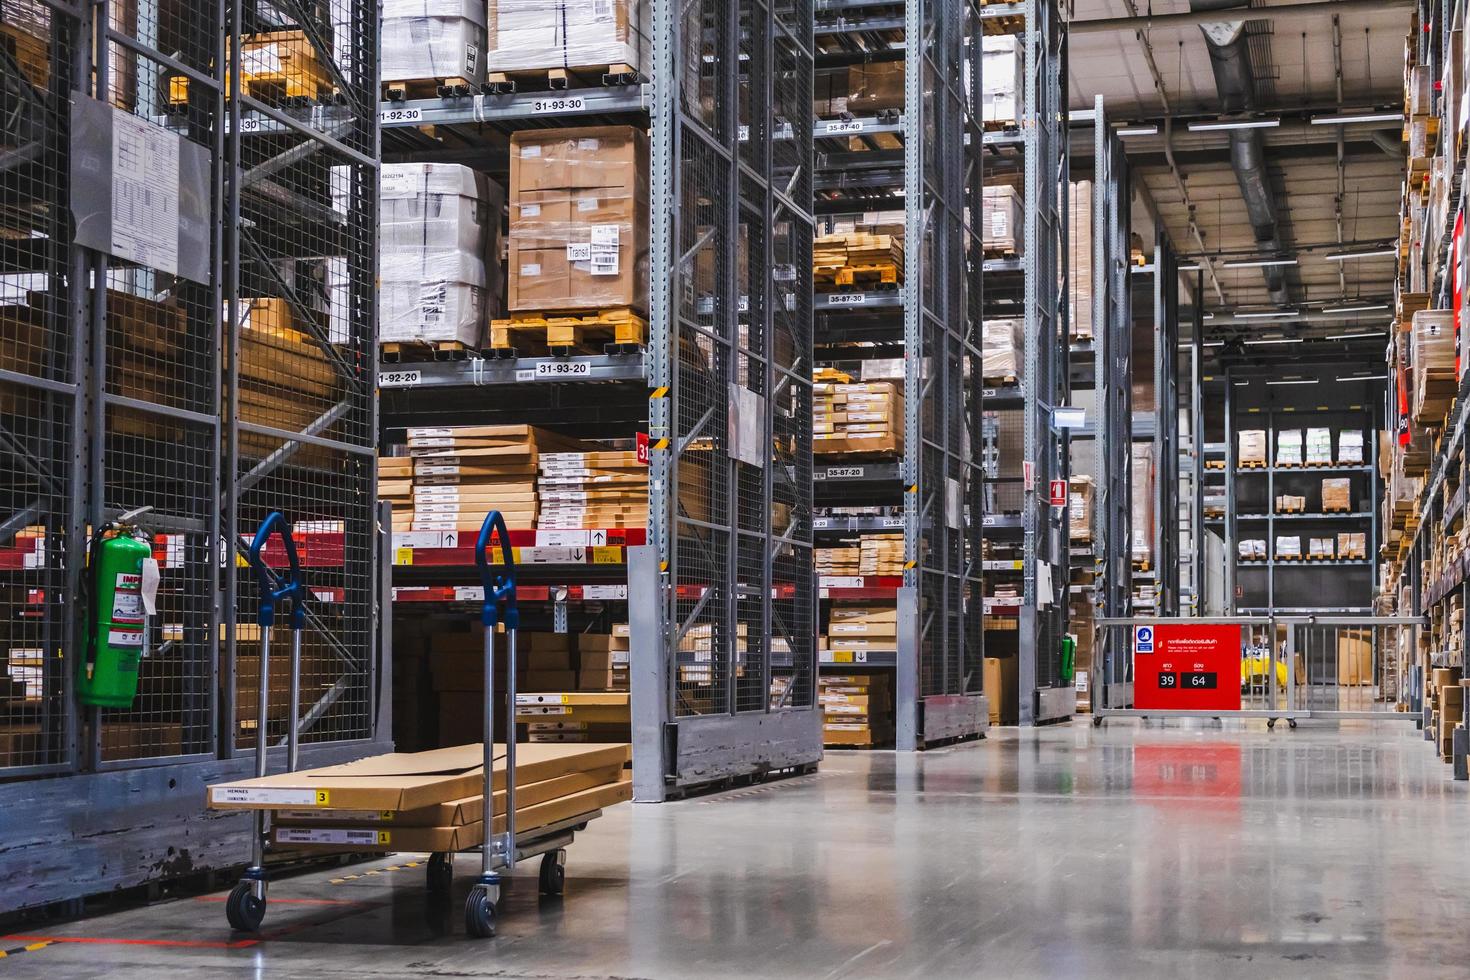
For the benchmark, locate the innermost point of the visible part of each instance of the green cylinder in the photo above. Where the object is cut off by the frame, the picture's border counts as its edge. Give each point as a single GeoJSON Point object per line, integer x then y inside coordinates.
{"type": "Point", "coordinates": [118, 624]}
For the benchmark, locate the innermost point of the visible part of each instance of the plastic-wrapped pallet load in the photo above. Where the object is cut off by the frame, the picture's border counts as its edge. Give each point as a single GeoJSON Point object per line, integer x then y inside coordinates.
{"type": "Point", "coordinates": [432, 40]}
{"type": "Point", "coordinates": [1320, 548]}
{"type": "Point", "coordinates": [1289, 447]}
{"type": "Point", "coordinates": [1003, 220]}
{"type": "Point", "coordinates": [1000, 349]}
{"type": "Point", "coordinates": [578, 219]}
{"type": "Point", "coordinates": [1251, 549]}
{"type": "Point", "coordinates": [1252, 448]}
{"type": "Point", "coordinates": [1079, 246]}
{"type": "Point", "coordinates": [1432, 354]}
{"type": "Point", "coordinates": [1350, 447]}
{"type": "Point", "coordinates": [1318, 446]}
{"type": "Point", "coordinates": [1352, 544]}
{"type": "Point", "coordinates": [1337, 494]}
{"type": "Point", "coordinates": [531, 35]}
{"type": "Point", "coordinates": [1001, 79]}
{"type": "Point", "coordinates": [1288, 546]}
{"type": "Point", "coordinates": [1142, 524]}
{"type": "Point", "coordinates": [1079, 509]}
{"type": "Point", "coordinates": [437, 224]}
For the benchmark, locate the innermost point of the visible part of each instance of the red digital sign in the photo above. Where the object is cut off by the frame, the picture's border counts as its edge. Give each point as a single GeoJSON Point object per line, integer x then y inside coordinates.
{"type": "Point", "coordinates": [1187, 666]}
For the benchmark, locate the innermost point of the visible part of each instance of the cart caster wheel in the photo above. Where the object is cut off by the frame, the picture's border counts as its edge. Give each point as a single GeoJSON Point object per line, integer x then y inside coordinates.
{"type": "Point", "coordinates": [1097, 722]}
{"type": "Point", "coordinates": [440, 874]}
{"type": "Point", "coordinates": [553, 872]}
{"type": "Point", "coordinates": [244, 910]}
{"type": "Point", "coordinates": [479, 913]}
{"type": "Point", "coordinates": [1291, 723]}
{"type": "Point", "coordinates": [1270, 724]}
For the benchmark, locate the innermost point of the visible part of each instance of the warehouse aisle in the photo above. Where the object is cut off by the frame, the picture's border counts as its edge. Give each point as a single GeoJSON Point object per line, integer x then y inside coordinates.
{"type": "Point", "coordinates": [1066, 851]}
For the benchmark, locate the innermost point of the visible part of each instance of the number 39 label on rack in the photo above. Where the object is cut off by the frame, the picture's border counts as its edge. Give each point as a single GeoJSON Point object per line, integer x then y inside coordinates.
{"type": "Point", "coordinates": [563, 369]}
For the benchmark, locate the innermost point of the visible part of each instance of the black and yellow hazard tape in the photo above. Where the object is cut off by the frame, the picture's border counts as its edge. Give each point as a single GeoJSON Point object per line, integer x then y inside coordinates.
{"type": "Point", "coordinates": [28, 948]}
{"type": "Point", "coordinates": [376, 871]}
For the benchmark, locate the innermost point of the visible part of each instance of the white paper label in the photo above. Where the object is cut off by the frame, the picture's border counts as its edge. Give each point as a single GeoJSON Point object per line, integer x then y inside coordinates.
{"type": "Point", "coordinates": [589, 143]}
{"type": "Point", "coordinates": [556, 368]}
{"type": "Point", "coordinates": [604, 234]}
{"type": "Point", "coordinates": [840, 581]}
{"type": "Point", "coordinates": [574, 103]}
{"type": "Point", "coordinates": [398, 379]}
{"type": "Point", "coordinates": [605, 592]}
{"type": "Point", "coordinates": [259, 794]}
{"type": "Point", "coordinates": [469, 593]}
{"type": "Point", "coordinates": [844, 472]}
{"type": "Point", "coordinates": [400, 115]}
{"type": "Point", "coordinates": [127, 600]}
{"type": "Point", "coordinates": [562, 539]}
{"type": "Point", "coordinates": [530, 210]}
{"type": "Point", "coordinates": [145, 193]}
{"type": "Point", "coordinates": [125, 638]}
{"type": "Point", "coordinates": [846, 299]}
{"type": "Point", "coordinates": [350, 836]}
{"type": "Point", "coordinates": [149, 585]}
{"type": "Point", "coordinates": [834, 126]}
{"type": "Point", "coordinates": [530, 151]}
{"type": "Point", "coordinates": [553, 556]}
{"type": "Point", "coordinates": [579, 252]}
{"type": "Point", "coordinates": [531, 269]}
{"type": "Point", "coordinates": [587, 203]}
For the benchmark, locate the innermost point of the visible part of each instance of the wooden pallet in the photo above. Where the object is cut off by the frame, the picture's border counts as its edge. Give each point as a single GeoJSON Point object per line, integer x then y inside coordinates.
{"type": "Point", "coordinates": [1001, 252]}
{"type": "Point", "coordinates": [1252, 464]}
{"type": "Point", "coordinates": [1290, 558]}
{"type": "Point", "coordinates": [1336, 510]}
{"type": "Point", "coordinates": [404, 351]}
{"type": "Point", "coordinates": [1142, 566]}
{"type": "Point", "coordinates": [561, 78]}
{"type": "Point", "coordinates": [1292, 509]}
{"type": "Point", "coordinates": [617, 330]}
{"type": "Point", "coordinates": [399, 90]}
{"type": "Point", "coordinates": [880, 274]}
{"type": "Point", "coordinates": [998, 380]}
{"type": "Point", "coordinates": [295, 79]}
{"type": "Point", "coordinates": [1214, 464]}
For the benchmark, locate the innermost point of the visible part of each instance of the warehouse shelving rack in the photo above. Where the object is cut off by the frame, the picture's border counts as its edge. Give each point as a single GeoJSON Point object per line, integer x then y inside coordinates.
{"type": "Point", "coordinates": [929, 169]}
{"type": "Point", "coordinates": [130, 396]}
{"type": "Point", "coordinates": [1274, 586]}
{"type": "Point", "coordinates": [734, 172]}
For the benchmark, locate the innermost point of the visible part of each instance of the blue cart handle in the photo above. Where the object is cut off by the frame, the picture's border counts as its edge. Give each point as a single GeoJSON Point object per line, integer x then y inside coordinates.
{"type": "Point", "coordinates": [291, 585]}
{"type": "Point", "coordinates": [498, 588]}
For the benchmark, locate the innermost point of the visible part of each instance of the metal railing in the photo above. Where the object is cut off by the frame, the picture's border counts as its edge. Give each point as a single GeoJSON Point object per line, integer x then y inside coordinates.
{"type": "Point", "coordinates": [1291, 667]}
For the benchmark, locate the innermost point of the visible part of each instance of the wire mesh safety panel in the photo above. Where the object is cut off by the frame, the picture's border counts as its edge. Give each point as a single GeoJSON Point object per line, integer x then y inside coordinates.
{"type": "Point", "coordinates": [301, 342]}
{"type": "Point", "coordinates": [1045, 374]}
{"type": "Point", "coordinates": [941, 476]}
{"type": "Point", "coordinates": [38, 378]}
{"type": "Point", "coordinates": [730, 510]}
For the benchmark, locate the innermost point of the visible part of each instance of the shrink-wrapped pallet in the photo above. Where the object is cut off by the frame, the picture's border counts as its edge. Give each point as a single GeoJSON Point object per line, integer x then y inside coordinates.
{"type": "Point", "coordinates": [432, 40]}
{"type": "Point", "coordinates": [531, 35]}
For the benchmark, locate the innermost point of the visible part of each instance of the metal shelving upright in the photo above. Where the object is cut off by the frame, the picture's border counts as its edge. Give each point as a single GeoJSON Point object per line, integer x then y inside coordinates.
{"type": "Point", "coordinates": [726, 94]}
{"type": "Point", "coordinates": [1112, 306]}
{"type": "Point", "coordinates": [1044, 695]}
{"type": "Point", "coordinates": [118, 260]}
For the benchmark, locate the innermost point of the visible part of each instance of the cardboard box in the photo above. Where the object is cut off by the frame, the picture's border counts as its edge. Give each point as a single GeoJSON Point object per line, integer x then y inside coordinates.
{"type": "Point", "coordinates": [1002, 690]}
{"type": "Point", "coordinates": [525, 35]}
{"type": "Point", "coordinates": [1354, 659]}
{"type": "Point", "coordinates": [1252, 444]}
{"type": "Point", "coordinates": [875, 87]}
{"type": "Point", "coordinates": [407, 781]}
{"type": "Point", "coordinates": [547, 680]}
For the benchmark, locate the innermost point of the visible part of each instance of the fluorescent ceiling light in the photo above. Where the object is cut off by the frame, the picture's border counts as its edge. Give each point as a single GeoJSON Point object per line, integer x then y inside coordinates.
{"type": "Point", "coordinates": [1213, 343]}
{"type": "Point", "coordinates": [1343, 118]}
{"type": "Point", "coordinates": [1208, 316]}
{"type": "Point", "coordinates": [1364, 377]}
{"type": "Point", "coordinates": [1257, 263]}
{"type": "Point", "coordinates": [1138, 131]}
{"type": "Point", "coordinates": [1241, 384]}
{"type": "Point", "coordinates": [1345, 256]}
{"type": "Point", "coordinates": [1273, 340]}
{"type": "Point", "coordinates": [1362, 308]}
{"type": "Point", "coordinates": [1192, 267]}
{"type": "Point", "coordinates": [1204, 127]}
{"type": "Point", "coordinates": [1294, 381]}
{"type": "Point", "coordinates": [1267, 314]}
{"type": "Point", "coordinates": [1358, 336]}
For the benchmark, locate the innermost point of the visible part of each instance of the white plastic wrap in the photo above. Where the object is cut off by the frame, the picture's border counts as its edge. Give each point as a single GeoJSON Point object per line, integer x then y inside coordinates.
{"type": "Point", "coordinates": [529, 35]}
{"type": "Point", "coordinates": [433, 39]}
{"type": "Point", "coordinates": [1001, 81]}
{"type": "Point", "coordinates": [1000, 348]}
{"type": "Point", "coordinates": [1350, 447]}
{"type": "Point", "coordinates": [1289, 447]}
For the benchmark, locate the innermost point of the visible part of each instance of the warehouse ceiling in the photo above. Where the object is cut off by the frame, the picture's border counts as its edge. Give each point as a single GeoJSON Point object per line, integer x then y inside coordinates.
{"type": "Point", "coordinates": [1332, 188]}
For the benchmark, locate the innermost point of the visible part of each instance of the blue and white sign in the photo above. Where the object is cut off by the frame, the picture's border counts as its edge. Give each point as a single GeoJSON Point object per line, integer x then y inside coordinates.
{"type": "Point", "coordinates": [1143, 639]}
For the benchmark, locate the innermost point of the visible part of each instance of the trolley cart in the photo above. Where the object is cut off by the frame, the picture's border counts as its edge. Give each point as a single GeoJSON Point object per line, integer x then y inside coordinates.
{"type": "Point", "coordinates": [245, 907]}
{"type": "Point", "coordinates": [499, 852]}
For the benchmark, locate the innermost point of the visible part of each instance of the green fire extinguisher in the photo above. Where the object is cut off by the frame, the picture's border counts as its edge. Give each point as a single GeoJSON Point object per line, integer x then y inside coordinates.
{"type": "Point", "coordinates": [122, 577]}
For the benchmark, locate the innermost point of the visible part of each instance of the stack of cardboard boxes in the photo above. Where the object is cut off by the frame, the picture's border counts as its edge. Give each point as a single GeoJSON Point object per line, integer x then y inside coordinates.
{"type": "Point", "coordinates": [859, 418]}
{"type": "Point", "coordinates": [857, 709]}
{"type": "Point", "coordinates": [439, 223]}
{"type": "Point", "coordinates": [533, 35]}
{"type": "Point", "coordinates": [432, 40]}
{"type": "Point", "coordinates": [462, 472]}
{"type": "Point", "coordinates": [1003, 230]}
{"type": "Point", "coordinates": [395, 485]}
{"type": "Point", "coordinates": [578, 234]}
{"type": "Point", "coordinates": [1001, 350]}
{"type": "Point", "coordinates": [602, 660]}
{"type": "Point", "coordinates": [843, 561]}
{"type": "Point", "coordinates": [864, 626]}
{"type": "Point", "coordinates": [880, 554]}
{"type": "Point", "coordinates": [1432, 355]}
{"type": "Point", "coordinates": [596, 489]}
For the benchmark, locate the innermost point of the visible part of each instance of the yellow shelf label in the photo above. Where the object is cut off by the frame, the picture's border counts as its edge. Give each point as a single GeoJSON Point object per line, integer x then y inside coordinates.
{"type": "Point", "coordinates": [403, 556]}
{"type": "Point", "coordinates": [842, 656]}
{"type": "Point", "coordinates": [323, 797]}
{"type": "Point", "coordinates": [385, 837]}
{"type": "Point", "coordinates": [607, 556]}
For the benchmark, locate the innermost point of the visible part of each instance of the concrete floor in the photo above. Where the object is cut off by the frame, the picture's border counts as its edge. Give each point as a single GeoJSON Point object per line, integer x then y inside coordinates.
{"type": "Point", "coordinates": [1069, 851]}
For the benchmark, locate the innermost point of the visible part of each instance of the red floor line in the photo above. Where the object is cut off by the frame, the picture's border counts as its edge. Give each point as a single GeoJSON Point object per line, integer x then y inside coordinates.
{"type": "Point", "coordinates": [118, 941]}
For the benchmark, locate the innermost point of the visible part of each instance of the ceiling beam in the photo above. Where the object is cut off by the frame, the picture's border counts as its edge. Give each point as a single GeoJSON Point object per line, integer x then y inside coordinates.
{"type": "Point", "coordinates": [1283, 12]}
